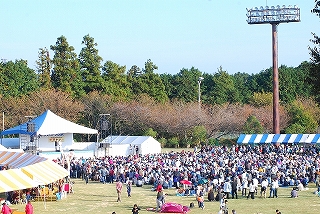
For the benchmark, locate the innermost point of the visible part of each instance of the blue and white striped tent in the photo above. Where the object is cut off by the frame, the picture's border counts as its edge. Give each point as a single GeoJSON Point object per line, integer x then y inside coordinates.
{"type": "Point", "coordinates": [278, 138]}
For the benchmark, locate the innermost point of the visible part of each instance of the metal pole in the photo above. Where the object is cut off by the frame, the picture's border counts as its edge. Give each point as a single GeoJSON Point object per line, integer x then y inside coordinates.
{"type": "Point", "coordinates": [276, 117]}
{"type": "Point", "coordinates": [199, 82]}
{"type": "Point", "coordinates": [2, 126]}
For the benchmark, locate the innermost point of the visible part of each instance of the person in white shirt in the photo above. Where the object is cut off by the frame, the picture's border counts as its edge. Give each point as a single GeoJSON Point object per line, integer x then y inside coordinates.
{"type": "Point", "coordinates": [252, 189]}
{"type": "Point", "coordinates": [264, 186]}
{"type": "Point", "coordinates": [227, 188]}
{"type": "Point", "coordinates": [274, 189]}
{"type": "Point", "coordinates": [244, 184]}
{"type": "Point", "coordinates": [255, 183]}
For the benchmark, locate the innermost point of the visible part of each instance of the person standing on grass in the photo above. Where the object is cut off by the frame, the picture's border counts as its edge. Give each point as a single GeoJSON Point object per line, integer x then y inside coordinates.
{"type": "Point", "coordinates": [264, 186]}
{"type": "Point", "coordinates": [129, 184]}
{"type": "Point", "coordinates": [119, 190]}
{"type": "Point", "coordinates": [274, 189]}
{"type": "Point", "coordinates": [252, 189]}
{"type": "Point", "coordinates": [227, 188]}
{"type": "Point", "coordinates": [234, 188]}
{"type": "Point", "coordinates": [160, 200]}
{"type": "Point", "coordinates": [200, 200]}
{"type": "Point", "coordinates": [5, 209]}
{"type": "Point", "coordinates": [29, 208]}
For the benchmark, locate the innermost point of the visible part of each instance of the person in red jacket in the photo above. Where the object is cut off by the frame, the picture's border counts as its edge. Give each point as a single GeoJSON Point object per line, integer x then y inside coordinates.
{"type": "Point", "coordinates": [5, 209]}
{"type": "Point", "coordinates": [29, 208]}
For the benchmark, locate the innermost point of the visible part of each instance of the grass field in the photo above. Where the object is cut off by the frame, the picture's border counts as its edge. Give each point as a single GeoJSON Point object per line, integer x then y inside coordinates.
{"type": "Point", "coordinates": [96, 197]}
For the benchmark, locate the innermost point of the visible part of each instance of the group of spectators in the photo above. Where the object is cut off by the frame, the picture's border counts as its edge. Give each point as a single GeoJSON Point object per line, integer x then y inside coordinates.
{"type": "Point", "coordinates": [240, 168]}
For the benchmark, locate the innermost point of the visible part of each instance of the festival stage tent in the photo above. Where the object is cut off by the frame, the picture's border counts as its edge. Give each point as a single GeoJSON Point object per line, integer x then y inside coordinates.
{"type": "Point", "coordinates": [125, 145]}
{"type": "Point", "coordinates": [2, 148]}
{"type": "Point", "coordinates": [278, 138]}
{"type": "Point", "coordinates": [50, 129]}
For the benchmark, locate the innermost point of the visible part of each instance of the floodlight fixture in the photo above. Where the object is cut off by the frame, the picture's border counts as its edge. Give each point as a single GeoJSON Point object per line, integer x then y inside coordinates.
{"type": "Point", "coordinates": [274, 16]}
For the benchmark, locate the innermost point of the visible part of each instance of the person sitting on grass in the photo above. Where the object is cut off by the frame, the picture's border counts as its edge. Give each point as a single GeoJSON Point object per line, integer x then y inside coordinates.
{"type": "Point", "coordinates": [294, 192]}
{"type": "Point", "coordinates": [135, 209]}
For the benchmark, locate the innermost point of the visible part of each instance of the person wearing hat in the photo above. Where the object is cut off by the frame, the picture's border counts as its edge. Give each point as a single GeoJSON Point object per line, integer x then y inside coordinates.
{"type": "Point", "coordinates": [159, 200]}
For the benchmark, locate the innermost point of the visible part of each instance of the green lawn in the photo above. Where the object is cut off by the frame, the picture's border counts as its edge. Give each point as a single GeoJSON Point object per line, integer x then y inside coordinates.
{"type": "Point", "coordinates": [96, 197]}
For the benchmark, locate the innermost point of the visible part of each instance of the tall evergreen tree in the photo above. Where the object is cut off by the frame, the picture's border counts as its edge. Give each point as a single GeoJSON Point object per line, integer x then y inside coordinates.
{"type": "Point", "coordinates": [315, 58]}
{"type": "Point", "coordinates": [66, 69]}
{"type": "Point", "coordinates": [44, 68]}
{"type": "Point", "coordinates": [134, 71]}
{"type": "Point", "coordinates": [261, 82]}
{"type": "Point", "coordinates": [17, 79]}
{"type": "Point", "coordinates": [252, 126]}
{"type": "Point", "coordinates": [185, 84]}
{"type": "Point", "coordinates": [149, 83]}
{"type": "Point", "coordinates": [168, 83]}
{"type": "Point", "coordinates": [116, 81]}
{"type": "Point", "coordinates": [241, 82]}
{"type": "Point", "coordinates": [90, 64]}
{"type": "Point", "coordinates": [292, 83]}
{"type": "Point", "coordinates": [224, 90]}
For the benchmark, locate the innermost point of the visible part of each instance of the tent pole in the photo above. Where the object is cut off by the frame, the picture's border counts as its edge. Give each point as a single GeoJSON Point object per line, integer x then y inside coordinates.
{"type": "Point", "coordinates": [2, 125]}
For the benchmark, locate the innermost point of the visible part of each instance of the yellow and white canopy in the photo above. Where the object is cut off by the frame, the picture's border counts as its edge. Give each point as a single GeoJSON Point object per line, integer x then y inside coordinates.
{"type": "Point", "coordinates": [45, 172]}
{"type": "Point", "coordinates": [27, 170]}
{"type": "Point", "coordinates": [15, 179]}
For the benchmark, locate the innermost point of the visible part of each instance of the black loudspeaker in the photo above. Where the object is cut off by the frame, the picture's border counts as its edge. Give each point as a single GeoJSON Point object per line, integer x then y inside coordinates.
{"type": "Point", "coordinates": [103, 145]}
{"type": "Point", "coordinates": [104, 125]}
{"type": "Point", "coordinates": [31, 148]}
{"type": "Point", "coordinates": [30, 127]}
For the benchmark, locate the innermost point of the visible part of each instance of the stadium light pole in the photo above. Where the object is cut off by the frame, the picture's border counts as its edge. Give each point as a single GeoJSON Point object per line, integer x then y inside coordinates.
{"type": "Point", "coordinates": [105, 120]}
{"type": "Point", "coordinates": [274, 16]}
{"type": "Point", "coordinates": [199, 92]}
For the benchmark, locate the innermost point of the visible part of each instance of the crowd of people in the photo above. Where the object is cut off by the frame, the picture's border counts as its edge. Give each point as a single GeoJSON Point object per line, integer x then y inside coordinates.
{"type": "Point", "coordinates": [288, 165]}
{"type": "Point", "coordinates": [227, 171]}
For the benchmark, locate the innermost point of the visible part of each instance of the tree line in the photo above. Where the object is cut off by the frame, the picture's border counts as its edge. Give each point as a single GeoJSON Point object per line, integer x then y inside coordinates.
{"type": "Point", "coordinates": [81, 86]}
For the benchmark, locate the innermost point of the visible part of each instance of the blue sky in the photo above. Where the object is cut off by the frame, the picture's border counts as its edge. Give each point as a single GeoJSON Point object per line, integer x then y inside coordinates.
{"type": "Point", "coordinates": [174, 34]}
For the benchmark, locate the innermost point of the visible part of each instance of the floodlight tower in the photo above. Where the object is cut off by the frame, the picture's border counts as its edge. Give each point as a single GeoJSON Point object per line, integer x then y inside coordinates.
{"type": "Point", "coordinates": [274, 16]}
{"type": "Point", "coordinates": [199, 92]}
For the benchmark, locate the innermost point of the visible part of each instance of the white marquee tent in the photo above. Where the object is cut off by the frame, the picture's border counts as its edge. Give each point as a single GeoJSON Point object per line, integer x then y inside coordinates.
{"type": "Point", "coordinates": [49, 129]}
{"type": "Point", "coordinates": [126, 145]}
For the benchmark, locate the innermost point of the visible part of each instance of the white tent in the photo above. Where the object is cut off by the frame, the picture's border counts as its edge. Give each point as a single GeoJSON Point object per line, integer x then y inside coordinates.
{"type": "Point", "coordinates": [2, 148]}
{"type": "Point", "coordinates": [49, 129]}
{"type": "Point", "coordinates": [126, 145]}
{"type": "Point", "coordinates": [49, 123]}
